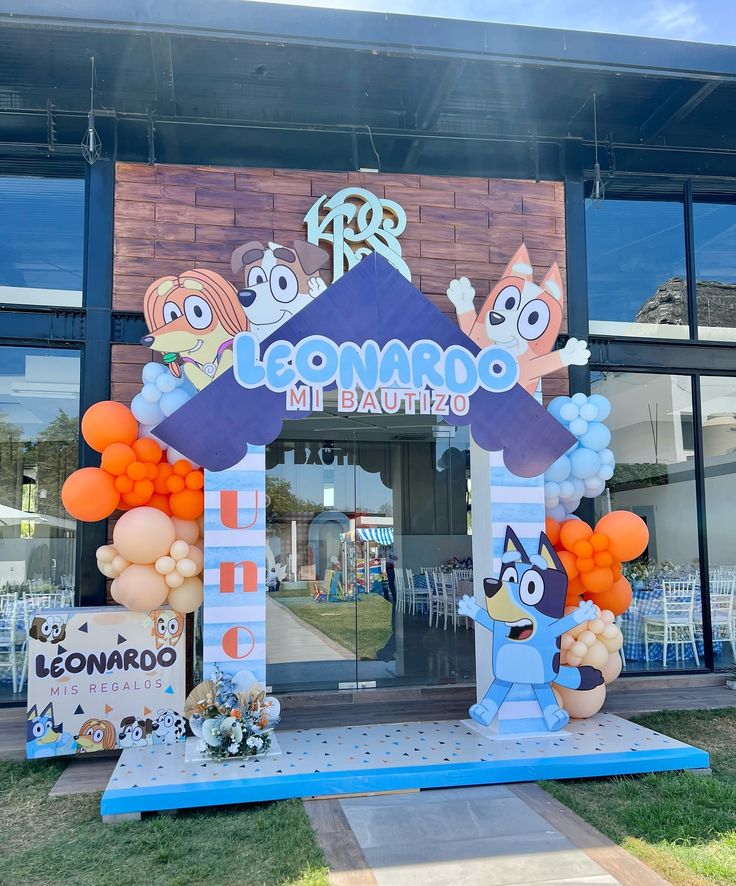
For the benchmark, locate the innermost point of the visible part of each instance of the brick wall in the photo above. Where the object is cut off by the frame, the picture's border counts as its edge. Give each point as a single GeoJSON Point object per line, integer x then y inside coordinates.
{"type": "Point", "coordinates": [170, 218]}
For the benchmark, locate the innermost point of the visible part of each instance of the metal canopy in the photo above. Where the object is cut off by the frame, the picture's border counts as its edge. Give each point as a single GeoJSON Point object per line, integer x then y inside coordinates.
{"type": "Point", "coordinates": [332, 89]}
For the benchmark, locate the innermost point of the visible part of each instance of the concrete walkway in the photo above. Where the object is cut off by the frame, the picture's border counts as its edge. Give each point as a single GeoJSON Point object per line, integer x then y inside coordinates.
{"type": "Point", "coordinates": [292, 640]}
{"type": "Point", "coordinates": [489, 836]}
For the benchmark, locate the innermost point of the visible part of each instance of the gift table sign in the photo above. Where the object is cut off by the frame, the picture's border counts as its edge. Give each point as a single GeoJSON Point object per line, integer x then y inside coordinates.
{"type": "Point", "coordinates": [104, 678]}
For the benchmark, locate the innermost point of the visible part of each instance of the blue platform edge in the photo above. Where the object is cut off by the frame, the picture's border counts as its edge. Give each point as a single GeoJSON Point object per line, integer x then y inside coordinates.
{"type": "Point", "coordinates": [258, 790]}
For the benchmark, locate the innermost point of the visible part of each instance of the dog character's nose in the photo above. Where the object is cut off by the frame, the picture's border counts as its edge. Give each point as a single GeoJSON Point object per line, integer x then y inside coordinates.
{"type": "Point", "coordinates": [147, 340]}
{"type": "Point", "coordinates": [491, 586]}
{"type": "Point", "coordinates": [246, 297]}
{"type": "Point", "coordinates": [495, 318]}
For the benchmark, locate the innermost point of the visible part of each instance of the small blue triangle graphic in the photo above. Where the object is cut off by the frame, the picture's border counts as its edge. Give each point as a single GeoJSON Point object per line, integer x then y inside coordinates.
{"type": "Point", "coordinates": [84, 627]}
{"type": "Point", "coordinates": [121, 639]}
{"type": "Point", "coordinates": [79, 709]}
{"type": "Point", "coordinates": [60, 649]}
{"type": "Point", "coordinates": [169, 690]}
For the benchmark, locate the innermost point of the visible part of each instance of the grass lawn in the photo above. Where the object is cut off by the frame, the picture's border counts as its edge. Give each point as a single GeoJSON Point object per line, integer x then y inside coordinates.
{"type": "Point", "coordinates": [62, 840]}
{"type": "Point", "coordinates": [337, 621]}
{"type": "Point", "coordinates": [681, 825]}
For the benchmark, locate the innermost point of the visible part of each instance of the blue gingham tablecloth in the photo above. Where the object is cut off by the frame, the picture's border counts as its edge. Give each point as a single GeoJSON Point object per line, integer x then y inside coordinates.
{"type": "Point", "coordinates": [650, 603]}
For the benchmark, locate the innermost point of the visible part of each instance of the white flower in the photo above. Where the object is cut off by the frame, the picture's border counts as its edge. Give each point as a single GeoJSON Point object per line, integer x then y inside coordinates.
{"type": "Point", "coordinates": [254, 742]}
{"type": "Point", "coordinates": [232, 728]}
{"type": "Point", "coordinates": [210, 733]}
{"type": "Point", "coordinates": [233, 748]}
{"type": "Point", "coordinates": [195, 724]}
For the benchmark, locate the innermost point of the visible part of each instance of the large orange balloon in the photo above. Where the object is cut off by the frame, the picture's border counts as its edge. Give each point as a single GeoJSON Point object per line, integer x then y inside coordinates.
{"type": "Point", "coordinates": [187, 504]}
{"type": "Point", "coordinates": [568, 561]}
{"type": "Point", "coordinates": [627, 533]}
{"type": "Point", "coordinates": [573, 531]}
{"type": "Point", "coordinates": [89, 494]}
{"type": "Point", "coordinates": [147, 450]}
{"type": "Point", "coordinates": [116, 457]}
{"type": "Point", "coordinates": [597, 580]}
{"type": "Point", "coordinates": [108, 422]}
{"type": "Point", "coordinates": [552, 530]}
{"type": "Point", "coordinates": [617, 599]}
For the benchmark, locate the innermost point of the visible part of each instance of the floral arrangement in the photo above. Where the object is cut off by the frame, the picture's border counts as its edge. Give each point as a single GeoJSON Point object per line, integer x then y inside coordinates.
{"type": "Point", "coordinates": [642, 571]}
{"type": "Point", "coordinates": [456, 563]}
{"type": "Point", "coordinates": [232, 716]}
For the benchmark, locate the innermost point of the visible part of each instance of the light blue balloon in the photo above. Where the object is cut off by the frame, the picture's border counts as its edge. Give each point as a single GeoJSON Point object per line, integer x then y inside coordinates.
{"type": "Point", "coordinates": [559, 470]}
{"type": "Point", "coordinates": [597, 436]}
{"type": "Point", "coordinates": [569, 411]}
{"type": "Point", "coordinates": [594, 487]}
{"type": "Point", "coordinates": [578, 486]}
{"type": "Point", "coordinates": [589, 412]}
{"type": "Point", "coordinates": [556, 405]}
{"type": "Point", "coordinates": [173, 400]}
{"type": "Point", "coordinates": [567, 490]}
{"type": "Point", "coordinates": [607, 457]}
{"type": "Point", "coordinates": [150, 393]}
{"type": "Point", "coordinates": [605, 472]}
{"type": "Point", "coordinates": [145, 412]}
{"type": "Point", "coordinates": [584, 463]}
{"type": "Point", "coordinates": [579, 399]}
{"type": "Point", "coordinates": [186, 385]}
{"type": "Point", "coordinates": [556, 513]}
{"type": "Point", "coordinates": [551, 490]}
{"type": "Point", "coordinates": [578, 426]}
{"type": "Point", "coordinates": [167, 382]}
{"type": "Point", "coordinates": [602, 404]}
{"type": "Point", "coordinates": [151, 371]}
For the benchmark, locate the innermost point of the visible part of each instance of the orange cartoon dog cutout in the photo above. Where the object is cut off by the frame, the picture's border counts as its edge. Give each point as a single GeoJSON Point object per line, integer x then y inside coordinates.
{"type": "Point", "coordinates": [192, 319]}
{"type": "Point", "coordinates": [521, 317]}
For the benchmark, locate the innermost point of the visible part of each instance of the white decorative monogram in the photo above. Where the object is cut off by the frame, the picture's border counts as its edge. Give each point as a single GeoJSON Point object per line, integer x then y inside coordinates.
{"type": "Point", "coordinates": [357, 223]}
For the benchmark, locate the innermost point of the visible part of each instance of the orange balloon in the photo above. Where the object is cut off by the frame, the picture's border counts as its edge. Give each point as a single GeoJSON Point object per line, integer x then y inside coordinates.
{"type": "Point", "coordinates": [597, 580]}
{"type": "Point", "coordinates": [143, 488]}
{"type": "Point", "coordinates": [116, 457]}
{"type": "Point", "coordinates": [182, 467]}
{"type": "Point", "coordinates": [194, 480]}
{"type": "Point", "coordinates": [136, 470]}
{"type": "Point", "coordinates": [599, 542]}
{"type": "Point", "coordinates": [583, 549]}
{"type": "Point", "coordinates": [89, 494]}
{"type": "Point", "coordinates": [187, 504]}
{"type": "Point", "coordinates": [552, 530]}
{"type": "Point", "coordinates": [148, 450]}
{"type": "Point", "coordinates": [585, 564]}
{"type": "Point", "coordinates": [628, 534]}
{"type": "Point", "coordinates": [175, 483]}
{"type": "Point", "coordinates": [108, 422]}
{"type": "Point", "coordinates": [134, 501]}
{"type": "Point", "coordinates": [568, 561]}
{"type": "Point", "coordinates": [617, 599]}
{"type": "Point", "coordinates": [603, 558]}
{"type": "Point", "coordinates": [124, 484]}
{"type": "Point", "coordinates": [163, 472]}
{"type": "Point", "coordinates": [575, 588]}
{"type": "Point", "coordinates": [572, 531]}
{"type": "Point", "coordinates": [160, 502]}
{"type": "Point", "coordinates": [151, 470]}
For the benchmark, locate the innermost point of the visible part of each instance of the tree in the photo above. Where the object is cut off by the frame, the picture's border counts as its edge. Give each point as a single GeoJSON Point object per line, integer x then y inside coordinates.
{"type": "Point", "coordinates": [282, 501]}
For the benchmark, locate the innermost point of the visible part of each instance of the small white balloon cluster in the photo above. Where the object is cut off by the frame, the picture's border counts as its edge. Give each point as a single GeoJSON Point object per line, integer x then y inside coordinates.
{"type": "Point", "coordinates": [583, 470]}
{"type": "Point", "coordinates": [161, 395]}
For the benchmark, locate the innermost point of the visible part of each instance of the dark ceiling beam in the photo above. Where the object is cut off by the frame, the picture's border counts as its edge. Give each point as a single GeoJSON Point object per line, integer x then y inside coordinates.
{"type": "Point", "coordinates": [163, 74]}
{"type": "Point", "coordinates": [439, 88]}
{"type": "Point", "coordinates": [675, 109]}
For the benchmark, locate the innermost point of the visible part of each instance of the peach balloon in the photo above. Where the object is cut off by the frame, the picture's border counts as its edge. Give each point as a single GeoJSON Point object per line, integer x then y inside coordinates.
{"type": "Point", "coordinates": [115, 592]}
{"type": "Point", "coordinates": [119, 564]}
{"type": "Point", "coordinates": [596, 656]}
{"type": "Point", "coordinates": [597, 625]}
{"type": "Point", "coordinates": [612, 638]}
{"type": "Point", "coordinates": [627, 533]}
{"type": "Point", "coordinates": [579, 649]}
{"type": "Point", "coordinates": [186, 530]}
{"type": "Point", "coordinates": [188, 596]}
{"type": "Point", "coordinates": [179, 549]}
{"type": "Point", "coordinates": [612, 668]}
{"type": "Point", "coordinates": [186, 567]}
{"type": "Point", "coordinates": [143, 535]}
{"type": "Point", "coordinates": [196, 554]}
{"type": "Point", "coordinates": [165, 565]}
{"type": "Point", "coordinates": [581, 704]}
{"type": "Point", "coordinates": [174, 579]}
{"type": "Point", "coordinates": [106, 553]}
{"type": "Point", "coordinates": [141, 588]}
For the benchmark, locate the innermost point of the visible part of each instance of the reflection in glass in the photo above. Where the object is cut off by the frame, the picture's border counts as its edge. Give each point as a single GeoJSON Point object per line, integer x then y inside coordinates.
{"type": "Point", "coordinates": [41, 240]}
{"type": "Point", "coordinates": [718, 396]}
{"type": "Point", "coordinates": [651, 424]}
{"type": "Point", "coordinates": [636, 268]}
{"type": "Point", "coordinates": [359, 507]}
{"type": "Point", "coordinates": [39, 439]}
{"type": "Point", "coordinates": [715, 269]}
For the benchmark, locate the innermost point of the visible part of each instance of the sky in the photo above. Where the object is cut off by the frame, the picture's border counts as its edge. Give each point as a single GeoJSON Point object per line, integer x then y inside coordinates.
{"type": "Point", "coordinates": [709, 21]}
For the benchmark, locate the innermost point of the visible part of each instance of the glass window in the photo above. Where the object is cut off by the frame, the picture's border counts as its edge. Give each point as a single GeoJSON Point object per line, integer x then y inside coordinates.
{"type": "Point", "coordinates": [360, 509]}
{"type": "Point", "coordinates": [636, 268]}
{"type": "Point", "coordinates": [41, 240]}
{"type": "Point", "coordinates": [39, 440]}
{"type": "Point", "coordinates": [715, 269]}
{"type": "Point", "coordinates": [718, 396]}
{"type": "Point", "coordinates": [651, 424]}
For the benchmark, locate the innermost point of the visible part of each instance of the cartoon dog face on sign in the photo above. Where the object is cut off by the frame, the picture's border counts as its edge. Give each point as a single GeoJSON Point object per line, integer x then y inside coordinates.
{"type": "Point", "coordinates": [48, 629]}
{"type": "Point", "coordinates": [168, 626]}
{"type": "Point", "coordinates": [278, 281]}
{"type": "Point", "coordinates": [95, 735]}
{"type": "Point", "coordinates": [136, 733]}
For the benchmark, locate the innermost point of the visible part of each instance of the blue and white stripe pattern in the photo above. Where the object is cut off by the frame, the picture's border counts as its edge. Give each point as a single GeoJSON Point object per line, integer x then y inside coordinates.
{"type": "Point", "coordinates": [234, 623]}
{"type": "Point", "coordinates": [384, 535]}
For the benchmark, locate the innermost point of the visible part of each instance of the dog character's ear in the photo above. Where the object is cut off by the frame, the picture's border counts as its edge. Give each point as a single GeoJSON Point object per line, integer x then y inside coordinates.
{"type": "Point", "coordinates": [552, 282]}
{"type": "Point", "coordinates": [33, 713]}
{"type": "Point", "coordinates": [246, 255]}
{"type": "Point", "coordinates": [48, 711]}
{"type": "Point", "coordinates": [520, 264]}
{"type": "Point", "coordinates": [311, 257]}
{"type": "Point", "coordinates": [35, 628]}
{"type": "Point", "coordinates": [512, 545]}
{"type": "Point", "coordinates": [549, 554]}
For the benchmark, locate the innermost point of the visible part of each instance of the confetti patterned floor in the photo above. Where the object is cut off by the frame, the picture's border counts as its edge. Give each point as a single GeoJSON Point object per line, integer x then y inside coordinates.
{"type": "Point", "coordinates": [388, 757]}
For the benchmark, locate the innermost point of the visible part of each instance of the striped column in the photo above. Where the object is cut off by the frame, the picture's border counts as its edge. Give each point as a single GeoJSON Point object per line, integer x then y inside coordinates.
{"type": "Point", "coordinates": [234, 612]}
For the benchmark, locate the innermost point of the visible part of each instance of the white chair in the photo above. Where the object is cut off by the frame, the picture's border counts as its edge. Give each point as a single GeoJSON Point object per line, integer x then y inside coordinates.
{"type": "Point", "coordinates": [401, 596]}
{"type": "Point", "coordinates": [675, 624]}
{"type": "Point", "coordinates": [448, 598]}
{"type": "Point", "coordinates": [10, 637]}
{"type": "Point", "coordinates": [721, 612]}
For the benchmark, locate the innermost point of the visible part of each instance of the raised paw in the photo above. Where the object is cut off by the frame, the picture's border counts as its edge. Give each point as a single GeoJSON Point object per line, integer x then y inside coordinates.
{"type": "Point", "coordinates": [575, 353]}
{"type": "Point", "coordinates": [586, 611]}
{"type": "Point", "coordinates": [316, 286]}
{"type": "Point", "coordinates": [461, 294]}
{"type": "Point", "coordinates": [467, 606]}
{"type": "Point", "coordinates": [555, 718]}
{"type": "Point", "coordinates": [483, 714]}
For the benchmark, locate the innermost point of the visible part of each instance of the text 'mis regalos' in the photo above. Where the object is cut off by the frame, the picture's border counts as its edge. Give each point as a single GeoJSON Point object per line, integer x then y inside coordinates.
{"type": "Point", "coordinates": [421, 378]}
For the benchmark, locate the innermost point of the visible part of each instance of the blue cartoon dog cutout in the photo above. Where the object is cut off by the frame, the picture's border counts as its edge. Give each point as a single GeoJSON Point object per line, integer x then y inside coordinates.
{"type": "Point", "coordinates": [525, 614]}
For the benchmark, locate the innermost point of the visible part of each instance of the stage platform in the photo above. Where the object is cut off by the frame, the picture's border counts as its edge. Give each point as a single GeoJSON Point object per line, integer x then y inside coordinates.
{"type": "Point", "coordinates": [388, 757]}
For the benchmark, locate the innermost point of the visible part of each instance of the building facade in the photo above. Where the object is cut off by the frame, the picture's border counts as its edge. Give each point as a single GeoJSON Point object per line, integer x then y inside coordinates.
{"type": "Point", "coordinates": [610, 157]}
